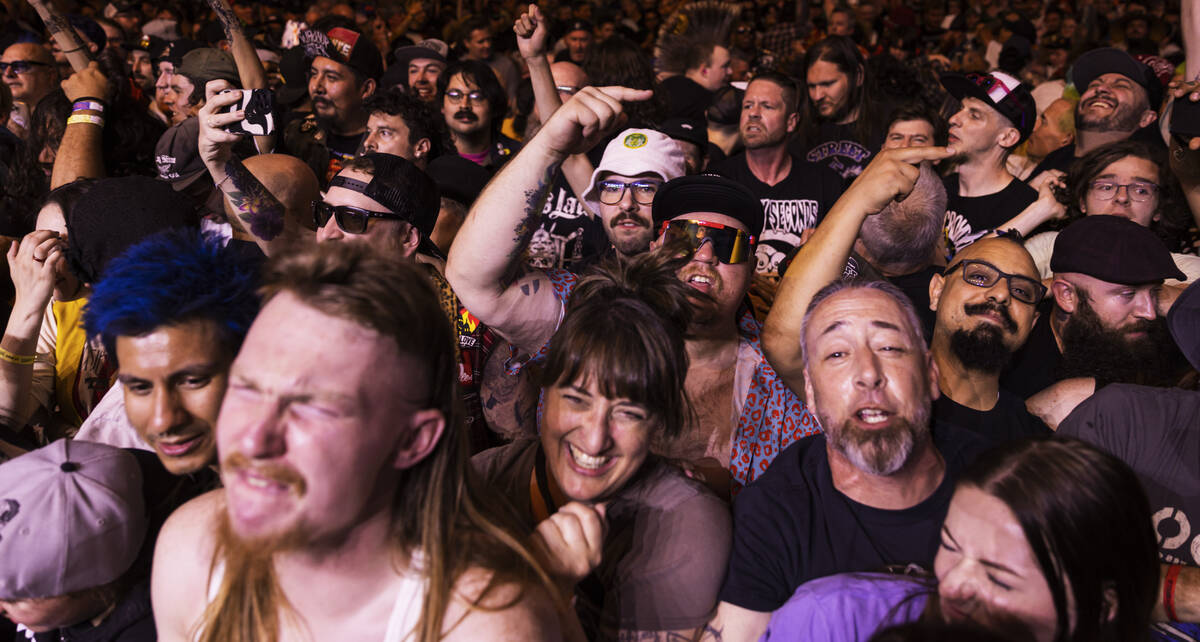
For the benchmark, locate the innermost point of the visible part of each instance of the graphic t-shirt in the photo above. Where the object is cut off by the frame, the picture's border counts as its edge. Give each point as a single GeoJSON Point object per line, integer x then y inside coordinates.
{"type": "Point", "coordinates": [969, 218]}
{"type": "Point", "coordinates": [341, 149]}
{"type": "Point", "coordinates": [838, 148]}
{"type": "Point", "coordinates": [795, 204]}
{"type": "Point", "coordinates": [568, 236]}
{"type": "Point", "coordinates": [1156, 431]}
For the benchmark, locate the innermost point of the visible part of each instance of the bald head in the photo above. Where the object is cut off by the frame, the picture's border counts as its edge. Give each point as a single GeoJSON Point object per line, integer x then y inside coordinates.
{"type": "Point", "coordinates": [37, 77]}
{"type": "Point", "coordinates": [294, 185]}
{"type": "Point", "coordinates": [1005, 253]}
{"type": "Point", "coordinates": [900, 239]}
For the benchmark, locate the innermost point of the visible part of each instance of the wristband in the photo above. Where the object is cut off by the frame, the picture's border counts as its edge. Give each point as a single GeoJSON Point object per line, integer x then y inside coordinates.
{"type": "Point", "coordinates": [87, 103]}
{"type": "Point", "coordinates": [1168, 594]}
{"type": "Point", "coordinates": [85, 118]}
{"type": "Point", "coordinates": [91, 98]}
{"type": "Point", "coordinates": [19, 359]}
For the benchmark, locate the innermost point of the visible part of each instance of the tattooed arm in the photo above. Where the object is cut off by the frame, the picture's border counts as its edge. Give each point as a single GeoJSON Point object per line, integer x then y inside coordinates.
{"type": "Point", "coordinates": [257, 211]}
{"type": "Point", "coordinates": [68, 40]}
{"type": "Point", "coordinates": [483, 261]}
{"type": "Point", "coordinates": [250, 68]}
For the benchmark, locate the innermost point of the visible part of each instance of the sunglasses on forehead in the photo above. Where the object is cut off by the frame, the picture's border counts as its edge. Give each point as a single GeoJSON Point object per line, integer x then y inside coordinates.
{"type": "Point", "coordinates": [351, 220]}
{"type": "Point", "coordinates": [729, 244]}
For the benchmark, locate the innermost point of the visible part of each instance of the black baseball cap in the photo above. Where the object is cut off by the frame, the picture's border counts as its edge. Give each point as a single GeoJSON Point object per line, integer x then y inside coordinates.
{"type": "Point", "coordinates": [999, 90]}
{"type": "Point", "coordinates": [708, 193]}
{"type": "Point", "coordinates": [404, 189]}
{"type": "Point", "coordinates": [430, 48]}
{"type": "Point", "coordinates": [1115, 250]}
{"type": "Point", "coordinates": [1110, 60]}
{"type": "Point", "coordinates": [348, 46]}
{"type": "Point", "coordinates": [688, 130]}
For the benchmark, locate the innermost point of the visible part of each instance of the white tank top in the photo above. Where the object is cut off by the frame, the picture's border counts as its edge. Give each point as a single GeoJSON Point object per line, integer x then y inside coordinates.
{"type": "Point", "coordinates": [402, 623]}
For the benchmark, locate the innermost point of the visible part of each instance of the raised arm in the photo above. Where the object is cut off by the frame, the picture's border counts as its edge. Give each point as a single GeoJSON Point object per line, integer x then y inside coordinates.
{"type": "Point", "coordinates": [250, 68]}
{"type": "Point", "coordinates": [80, 153]}
{"type": "Point", "coordinates": [484, 266]}
{"type": "Point", "coordinates": [257, 211]}
{"type": "Point", "coordinates": [532, 33]}
{"type": "Point", "coordinates": [63, 34]}
{"type": "Point", "coordinates": [890, 175]}
{"type": "Point", "coordinates": [33, 263]}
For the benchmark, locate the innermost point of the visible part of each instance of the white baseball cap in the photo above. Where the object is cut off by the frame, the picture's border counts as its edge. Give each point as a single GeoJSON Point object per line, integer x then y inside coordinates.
{"type": "Point", "coordinates": [633, 152]}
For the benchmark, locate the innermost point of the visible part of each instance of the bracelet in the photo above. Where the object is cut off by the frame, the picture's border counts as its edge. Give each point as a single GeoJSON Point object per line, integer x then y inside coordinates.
{"type": "Point", "coordinates": [1168, 594]}
{"type": "Point", "coordinates": [85, 118]}
{"type": "Point", "coordinates": [93, 99]}
{"type": "Point", "coordinates": [85, 104]}
{"type": "Point", "coordinates": [19, 359]}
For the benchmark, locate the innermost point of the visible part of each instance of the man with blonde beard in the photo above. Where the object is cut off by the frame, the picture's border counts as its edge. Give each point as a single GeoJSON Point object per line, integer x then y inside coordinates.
{"type": "Point", "coordinates": [349, 511]}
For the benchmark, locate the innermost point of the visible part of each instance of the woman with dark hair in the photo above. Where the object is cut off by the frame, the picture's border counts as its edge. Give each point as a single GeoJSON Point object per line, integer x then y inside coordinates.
{"type": "Point", "coordinates": [612, 394]}
{"type": "Point", "coordinates": [1046, 540]}
{"type": "Point", "coordinates": [1125, 179]}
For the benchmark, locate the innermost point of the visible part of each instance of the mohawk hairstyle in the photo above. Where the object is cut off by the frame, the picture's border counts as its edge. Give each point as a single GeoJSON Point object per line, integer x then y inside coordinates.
{"type": "Point", "coordinates": [174, 277]}
{"type": "Point", "coordinates": [687, 37]}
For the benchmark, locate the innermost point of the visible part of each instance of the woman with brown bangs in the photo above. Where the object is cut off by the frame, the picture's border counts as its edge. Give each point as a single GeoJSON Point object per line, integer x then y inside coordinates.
{"type": "Point", "coordinates": [640, 547]}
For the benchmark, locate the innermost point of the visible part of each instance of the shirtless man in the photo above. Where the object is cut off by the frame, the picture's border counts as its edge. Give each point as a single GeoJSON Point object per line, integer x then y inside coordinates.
{"type": "Point", "coordinates": [745, 414]}
{"type": "Point", "coordinates": [347, 511]}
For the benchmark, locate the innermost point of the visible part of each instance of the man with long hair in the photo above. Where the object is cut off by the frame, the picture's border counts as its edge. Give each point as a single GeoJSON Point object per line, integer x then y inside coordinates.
{"type": "Point", "coordinates": [349, 510]}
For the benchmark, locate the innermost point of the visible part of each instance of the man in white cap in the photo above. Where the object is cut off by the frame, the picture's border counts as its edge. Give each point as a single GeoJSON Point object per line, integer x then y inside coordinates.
{"type": "Point", "coordinates": [636, 163]}
{"type": "Point", "coordinates": [72, 525]}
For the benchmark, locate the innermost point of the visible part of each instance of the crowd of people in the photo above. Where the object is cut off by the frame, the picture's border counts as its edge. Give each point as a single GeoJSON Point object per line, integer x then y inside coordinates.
{"type": "Point", "coordinates": [655, 320]}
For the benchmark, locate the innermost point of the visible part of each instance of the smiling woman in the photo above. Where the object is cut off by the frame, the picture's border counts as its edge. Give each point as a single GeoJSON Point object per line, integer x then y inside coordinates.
{"type": "Point", "coordinates": [1028, 550]}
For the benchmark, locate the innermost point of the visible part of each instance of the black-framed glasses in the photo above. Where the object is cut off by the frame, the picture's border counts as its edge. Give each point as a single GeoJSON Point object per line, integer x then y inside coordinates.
{"type": "Point", "coordinates": [21, 66]}
{"type": "Point", "coordinates": [1139, 191]}
{"type": "Point", "coordinates": [456, 96]}
{"type": "Point", "coordinates": [351, 220]}
{"type": "Point", "coordinates": [729, 244]}
{"type": "Point", "coordinates": [982, 274]}
{"type": "Point", "coordinates": [611, 192]}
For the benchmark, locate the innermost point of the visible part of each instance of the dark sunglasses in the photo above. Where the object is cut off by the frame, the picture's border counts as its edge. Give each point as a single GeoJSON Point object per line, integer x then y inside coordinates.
{"type": "Point", "coordinates": [21, 66]}
{"type": "Point", "coordinates": [351, 220]}
{"type": "Point", "coordinates": [982, 274]}
{"type": "Point", "coordinates": [729, 244]}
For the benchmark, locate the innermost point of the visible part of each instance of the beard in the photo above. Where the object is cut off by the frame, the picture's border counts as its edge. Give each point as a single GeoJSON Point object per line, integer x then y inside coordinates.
{"type": "Point", "coordinates": [883, 451]}
{"type": "Point", "coordinates": [629, 243]}
{"type": "Point", "coordinates": [1112, 356]}
{"type": "Point", "coordinates": [982, 348]}
{"type": "Point", "coordinates": [1124, 117]}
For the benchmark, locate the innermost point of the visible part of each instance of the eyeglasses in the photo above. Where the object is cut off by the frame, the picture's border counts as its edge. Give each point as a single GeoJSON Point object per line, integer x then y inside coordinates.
{"type": "Point", "coordinates": [21, 66]}
{"type": "Point", "coordinates": [456, 96]}
{"type": "Point", "coordinates": [611, 192]}
{"type": "Point", "coordinates": [729, 244]}
{"type": "Point", "coordinates": [982, 274]}
{"type": "Point", "coordinates": [351, 220]}
{"type": "Point", "coordinates": [1139, 191]}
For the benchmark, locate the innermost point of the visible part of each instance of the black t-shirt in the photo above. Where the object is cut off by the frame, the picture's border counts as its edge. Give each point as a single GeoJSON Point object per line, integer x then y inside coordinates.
{"type": "Point", "coordinates": [1059, 159]}
{"type": "Point", "coordinates": [568, 236]}
{"type": "Point", "coordinates": [916, 286]}
{"type": "Point", "coordinates": [1008, 420]}
{"type": "Point", "coordinates": [838, 148]}
{"type": "Point", "coordinates": [686, 98]}
{"type": "Point", "coordinates": [795, 204]}
{"type": "Point", "coordinates": [968, 219]}
{"type": "Point", "coordinates": [1034, 367]}
{"type": "Point", "coordinates": [792, 525]}
{"type": "Point", "coordinates": [1156, 431]}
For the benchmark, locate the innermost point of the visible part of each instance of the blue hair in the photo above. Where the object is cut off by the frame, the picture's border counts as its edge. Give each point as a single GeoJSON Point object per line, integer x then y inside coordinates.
{"type": "Point", "coordinates": [173, 277]}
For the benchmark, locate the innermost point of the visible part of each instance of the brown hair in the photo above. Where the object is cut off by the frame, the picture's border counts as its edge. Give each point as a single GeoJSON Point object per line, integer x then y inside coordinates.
{"type": "Point", "coordinates": [626, 325]}
{"type": "Point", "coordinates": [440, 507]}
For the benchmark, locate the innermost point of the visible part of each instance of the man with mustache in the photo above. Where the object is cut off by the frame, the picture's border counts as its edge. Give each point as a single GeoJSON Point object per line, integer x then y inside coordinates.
{"type": "Point", "coordinates": [1104, 320]}
{"type": "Point", "coordinates": [474, 105]}
{"type": "Point", "coordinates": [795, 193]}
{"type": "Point", "coordinates": [986, 303]}
{"type": "Point", "coordinates": [345, 69]}
{"type": "Point", "coordinates": [1120, 98]}
{"type": "Point", "coordinates": [744, 414]}
{"type": "Point", "coordinates": [346, 486]}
